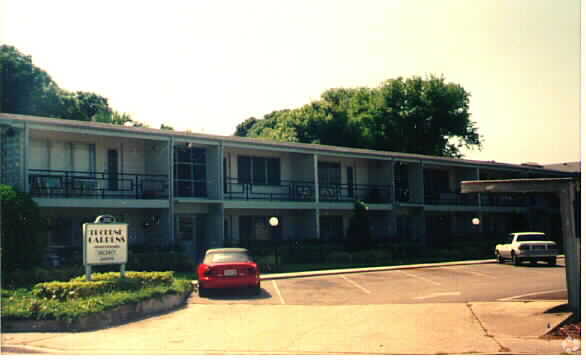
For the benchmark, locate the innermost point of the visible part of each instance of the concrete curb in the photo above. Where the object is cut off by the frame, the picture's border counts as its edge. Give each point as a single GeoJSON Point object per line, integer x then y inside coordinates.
{"type": "Point", "coordinates": [118, 316]}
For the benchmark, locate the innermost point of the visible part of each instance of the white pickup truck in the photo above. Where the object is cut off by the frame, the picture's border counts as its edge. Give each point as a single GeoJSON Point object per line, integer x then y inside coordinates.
{"type": "Point", "coordinates": [522, 246]}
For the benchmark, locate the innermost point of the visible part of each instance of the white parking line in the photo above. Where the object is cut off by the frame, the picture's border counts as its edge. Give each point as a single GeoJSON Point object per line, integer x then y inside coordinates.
{"type": "Point", "coordinates": [355, 284]}
{"type": "Point", "coordinates": [471, 272]}
{"type": "Point", "coordinates": [418, 277]}
{"type": "Point", "coordinates": [531, 294]}
{"type": "Point", "coordinates": [278, 292]}
{"type": "Point", "coordinates": [453, 293]}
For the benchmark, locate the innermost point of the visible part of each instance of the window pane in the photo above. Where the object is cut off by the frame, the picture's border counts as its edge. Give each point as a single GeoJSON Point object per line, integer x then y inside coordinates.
{"type": "Point", "coordinates": [274, 171]}
{"type": "Point", "coordinates": [259, 170]}
{"type": "Point", "coordinates": [243, 169]}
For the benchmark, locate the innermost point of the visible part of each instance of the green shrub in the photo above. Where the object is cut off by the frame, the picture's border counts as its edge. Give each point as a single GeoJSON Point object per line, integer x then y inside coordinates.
{"type": "Point", "coordinates": [23, 305]}
{"type": "Point", "coordinates": [160, 261]}
{"type": "Point", "coordinates": [339, 257]}
{"type": "Point", "coordinates": [145, 279]}
{"type": "Point", "coordinates": [27, 278]}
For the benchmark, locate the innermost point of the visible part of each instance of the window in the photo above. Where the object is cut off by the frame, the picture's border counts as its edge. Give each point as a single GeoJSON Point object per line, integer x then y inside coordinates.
{"type": "Point", "coordinates": [190, 172]}
{"type": "Point", "coordinates": [329, 173]}
{"type": "Point", "coordinates": [259, 171]}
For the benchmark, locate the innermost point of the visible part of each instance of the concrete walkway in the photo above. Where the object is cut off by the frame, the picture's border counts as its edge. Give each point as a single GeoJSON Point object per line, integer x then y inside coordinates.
{"type": "Point", "coordinates": [514, 327]}
{"type": "Point", "coordinates": [474, 328]}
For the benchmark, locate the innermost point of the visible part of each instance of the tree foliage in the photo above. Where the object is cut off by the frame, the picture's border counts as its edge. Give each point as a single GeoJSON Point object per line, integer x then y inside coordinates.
{"type": "Point", "coordinates": [22, 247]}
{"type": "Point", "coordinates": [27, 89]}
{"type": "Point", "coordinates": [415, 115]}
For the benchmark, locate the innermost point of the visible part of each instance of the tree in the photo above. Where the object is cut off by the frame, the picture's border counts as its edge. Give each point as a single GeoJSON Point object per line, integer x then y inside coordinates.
{"type": "Point", "coordinates": [166, 127]}
{"type": "Point", "coordinates": [425, 116]}
{"type": "Point", "coordinates": [22, 247]}
{"type": "Point", "coordinates": [27, 89]}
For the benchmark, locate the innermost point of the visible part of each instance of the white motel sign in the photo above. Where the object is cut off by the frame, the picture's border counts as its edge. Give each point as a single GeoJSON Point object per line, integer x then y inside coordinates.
{"type": "Point", "coordinates": [105, 242]}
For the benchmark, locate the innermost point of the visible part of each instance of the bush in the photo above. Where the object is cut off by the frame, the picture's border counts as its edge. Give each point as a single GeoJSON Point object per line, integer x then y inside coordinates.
{"type": "Point", "coordinates": [22, 245]}
{"type": "Point", "coordinates": [339, 257]}
{"type": "Point", "coordinates": [145, 279]}
{"type": "Point", "coordinates": [22, 305]}
{"type": "Point", "coordinates": [160, 261]}
{"type": "Point", "coordinates": [27, 278]}
{"type": "Point", "coordinates": [100, 284]}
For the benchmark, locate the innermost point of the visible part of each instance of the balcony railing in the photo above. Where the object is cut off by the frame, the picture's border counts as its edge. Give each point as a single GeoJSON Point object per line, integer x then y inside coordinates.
{"type": "Point", "coordinates": [83, 184]}
{"type": "Point", "coordinates": [284, 191]}
{"type": "Point", "coordinates": [375, 194]}
{"type": "Point", "coordinates": [451, 198]}
{"type": "Point", "coordinates": [506, 200]}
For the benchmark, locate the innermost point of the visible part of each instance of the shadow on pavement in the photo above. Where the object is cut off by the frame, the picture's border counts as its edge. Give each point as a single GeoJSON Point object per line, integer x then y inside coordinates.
{"type": "Point", "coordinates": [236, 294]}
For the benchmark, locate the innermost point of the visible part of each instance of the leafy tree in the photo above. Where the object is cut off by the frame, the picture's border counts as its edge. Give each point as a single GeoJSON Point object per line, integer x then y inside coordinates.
{"type": "Point", "coordinates": [27, 89]}
{"type": "Point", "coordinates": [22, 247]}
{"type": "Point", "coordinates": [166, 127]}
{"type": "Point", "coordinates": [416, 115]}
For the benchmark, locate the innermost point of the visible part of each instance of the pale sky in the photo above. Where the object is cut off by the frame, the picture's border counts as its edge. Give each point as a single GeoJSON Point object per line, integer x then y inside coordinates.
{"type": "Point", "coordinates": [209, 65]}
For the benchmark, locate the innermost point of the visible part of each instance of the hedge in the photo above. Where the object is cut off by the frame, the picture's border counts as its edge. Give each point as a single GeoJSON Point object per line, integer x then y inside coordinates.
{"type": "Point", "coordinates": [79, 287]}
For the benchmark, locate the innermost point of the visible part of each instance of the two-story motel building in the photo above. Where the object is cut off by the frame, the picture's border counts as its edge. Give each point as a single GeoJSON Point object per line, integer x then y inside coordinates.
{"type": "Point", "coordinates": [201, 191]}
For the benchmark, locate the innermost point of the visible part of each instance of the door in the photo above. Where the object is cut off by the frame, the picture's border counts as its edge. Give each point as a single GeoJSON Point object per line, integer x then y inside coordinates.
{"type": "Point", "coordinates": [113, 169]}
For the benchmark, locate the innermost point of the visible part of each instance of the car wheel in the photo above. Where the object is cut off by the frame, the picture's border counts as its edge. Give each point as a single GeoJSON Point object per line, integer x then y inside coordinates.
{"type": "Point", "coordinates": [256, 290]}
{"type": "Point", "coordinates": [516, 261]}
{"type": "Point", "coordinates": [202, 292]}
{"type": "Point", "coordinates": [551, 261]}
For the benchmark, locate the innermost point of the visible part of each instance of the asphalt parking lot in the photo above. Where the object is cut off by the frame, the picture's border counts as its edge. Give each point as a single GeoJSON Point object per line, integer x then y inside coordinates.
{"type": "Point", "coordinates": [448, 284]}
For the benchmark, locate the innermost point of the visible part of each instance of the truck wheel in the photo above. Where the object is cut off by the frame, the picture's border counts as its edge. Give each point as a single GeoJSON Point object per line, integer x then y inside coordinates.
{"type": "Point", "coordinates": [516, 261]}
{"type": "Point", "coordinates": [499, 258]}
{"type": "Point", "coordinates": [551, 261]}
{"type": "Point", "coordinates": [202, 292]}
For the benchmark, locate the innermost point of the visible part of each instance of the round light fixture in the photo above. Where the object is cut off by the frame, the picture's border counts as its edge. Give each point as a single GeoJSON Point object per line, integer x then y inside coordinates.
{"type": "Point", "coordinates": [274, 221]}
{"type": "Point", "coordinates": [476, 221]}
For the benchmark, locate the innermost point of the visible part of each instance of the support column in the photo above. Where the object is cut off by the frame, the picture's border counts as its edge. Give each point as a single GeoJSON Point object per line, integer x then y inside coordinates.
{"type": "Point", "coordinates": [572, 246]}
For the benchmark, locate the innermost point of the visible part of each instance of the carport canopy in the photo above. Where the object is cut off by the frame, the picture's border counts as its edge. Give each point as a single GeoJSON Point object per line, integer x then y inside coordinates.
{"type": "Point", "coordinates": [565, 188]}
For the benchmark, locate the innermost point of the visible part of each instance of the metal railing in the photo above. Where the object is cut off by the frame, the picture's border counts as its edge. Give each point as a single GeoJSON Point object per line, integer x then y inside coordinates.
{"type": "Point", "coordinates": [234, 189]}
{"type": "Point", "coordinates": [85, 184]}
{"type": "Point", "coordinates": [451, 198]}
{"type": "Point", "coordinates": [305, 191]}
{"type": "Point", "coordinates": [505, 200]}
{"type": "Point", "coordinates": [375, 194]}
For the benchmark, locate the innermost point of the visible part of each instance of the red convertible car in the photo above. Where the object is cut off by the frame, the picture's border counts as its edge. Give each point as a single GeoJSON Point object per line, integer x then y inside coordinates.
{"type": "Point", "coordinates": [227, 268]}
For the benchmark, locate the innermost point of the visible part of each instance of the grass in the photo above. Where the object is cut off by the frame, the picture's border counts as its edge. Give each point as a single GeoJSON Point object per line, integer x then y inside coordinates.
{"type": "Point", "coordinates": [21, 304]}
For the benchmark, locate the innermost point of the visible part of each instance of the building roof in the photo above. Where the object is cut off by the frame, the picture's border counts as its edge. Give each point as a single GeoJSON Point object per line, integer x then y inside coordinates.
{"type": "Point", "coordinates": [571, 166]}
{"type": "Point", "coordinates": [237, 140]}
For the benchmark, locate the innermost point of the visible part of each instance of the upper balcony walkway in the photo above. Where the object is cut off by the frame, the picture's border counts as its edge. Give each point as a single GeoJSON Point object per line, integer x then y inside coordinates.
{"type": "Point", "coordinates": [235, 189]}
{"type": "Point", "coordinates": [84, 184]}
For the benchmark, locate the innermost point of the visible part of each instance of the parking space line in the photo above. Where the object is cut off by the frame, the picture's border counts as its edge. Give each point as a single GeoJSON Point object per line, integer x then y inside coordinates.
{"type": "Point", "coordinates": [471, 272]}
{"type": "Point", "coordinates": [355, 284]}
{"type": "Point", "coordinates": [418, 277]}
{"type": "Point", "coordinates": [531, 294]}
{"type": "Point", "coordinates": [278, 292]}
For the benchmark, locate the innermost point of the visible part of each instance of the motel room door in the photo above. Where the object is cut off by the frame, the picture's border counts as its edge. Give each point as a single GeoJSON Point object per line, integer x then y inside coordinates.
{"type": "Point", "coordinates": [190, 236]}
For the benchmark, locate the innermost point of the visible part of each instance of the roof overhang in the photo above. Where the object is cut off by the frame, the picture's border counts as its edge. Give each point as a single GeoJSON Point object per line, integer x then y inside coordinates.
{"type": "Point", "coordinates": [516, 185]}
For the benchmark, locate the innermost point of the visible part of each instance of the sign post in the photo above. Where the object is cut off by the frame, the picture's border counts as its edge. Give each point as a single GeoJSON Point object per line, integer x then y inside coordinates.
{"type": "Point", "coordinates": [105, 242]}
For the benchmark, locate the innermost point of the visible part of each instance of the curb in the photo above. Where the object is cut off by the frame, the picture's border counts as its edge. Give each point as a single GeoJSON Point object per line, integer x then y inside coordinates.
{"type": "Point", "coordinates": [120, 315]}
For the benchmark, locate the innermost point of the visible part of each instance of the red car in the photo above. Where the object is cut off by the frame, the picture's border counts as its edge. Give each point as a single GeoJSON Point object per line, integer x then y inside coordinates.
{"type": "Point", "coordinates": [227, 268]}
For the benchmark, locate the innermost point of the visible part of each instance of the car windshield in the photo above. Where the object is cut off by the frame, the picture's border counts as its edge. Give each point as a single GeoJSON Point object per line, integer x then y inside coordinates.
{"type": "Point", "coordinates": [532, 237]}
{"type": "Point", "coordinates": [227, 257]}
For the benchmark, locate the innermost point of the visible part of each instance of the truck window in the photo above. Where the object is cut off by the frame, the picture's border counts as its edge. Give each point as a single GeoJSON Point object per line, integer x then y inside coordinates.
{"type": "Point", "coordinates": [532, 237]}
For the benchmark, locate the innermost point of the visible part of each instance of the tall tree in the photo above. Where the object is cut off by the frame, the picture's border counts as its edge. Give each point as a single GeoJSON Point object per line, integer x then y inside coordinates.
{"type": "Point", "coordinates": [415, 115]}
{"type": "Point", "coordinates": [27, 89]}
